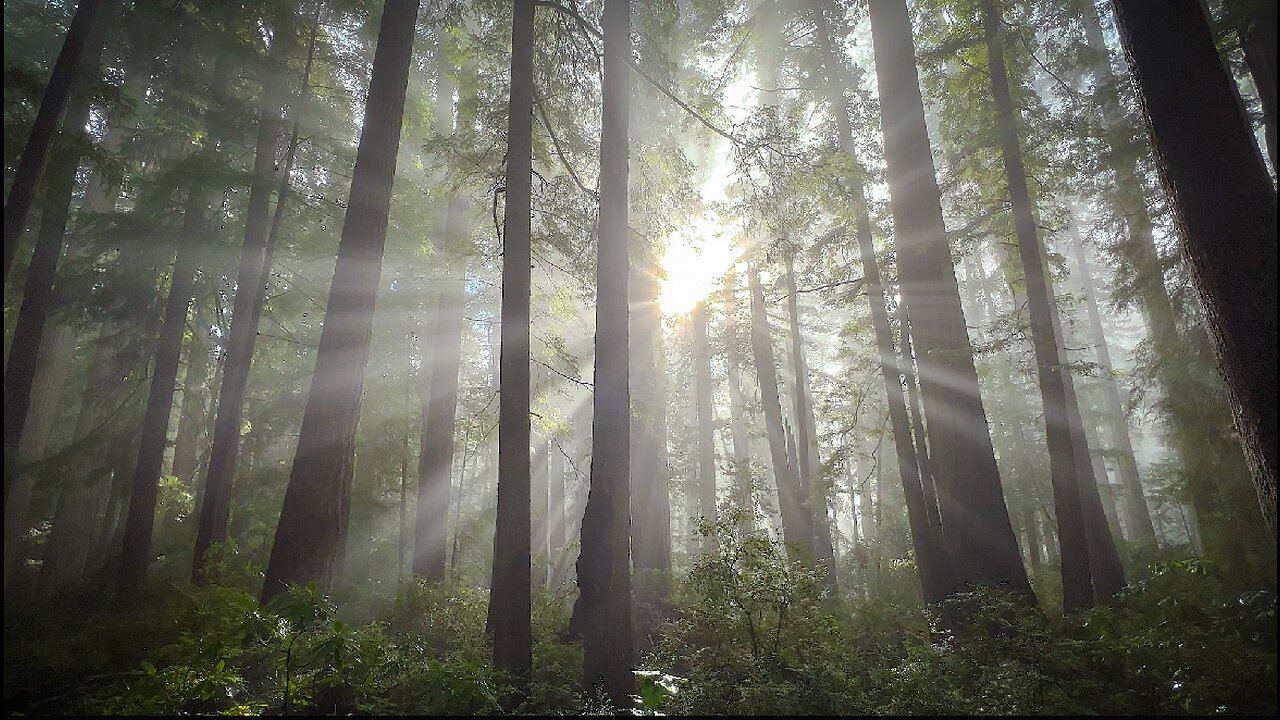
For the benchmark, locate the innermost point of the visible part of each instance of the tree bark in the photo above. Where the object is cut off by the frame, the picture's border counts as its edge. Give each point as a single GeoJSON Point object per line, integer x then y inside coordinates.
{"type": "Point", "coordinates": [81, 46]}
{"type": "Point", "coordinates": [604, 567]}
{"type": "Point", "coordinates": [317, 500]}
{"type": "Point", "coordinates": [509, 599]}
{"type": "Point", "coordinates": [985, 551]}
{"type": "Point", "coordinates": [1210, 168]}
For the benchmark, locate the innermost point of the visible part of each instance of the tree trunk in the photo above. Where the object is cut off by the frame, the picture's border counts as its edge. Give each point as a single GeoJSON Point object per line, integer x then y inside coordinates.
{"type": "Point", "coordinates": [510, 599]}
{"type": "Point", "coordinates": [931, 503]}
{"type": "Point", "coordinates": [797, 527]}
{"type": "Point", "coordinates": [1135, 504]}
{"type": "Point", "coordinates": [744, 492]}
{"type": "Point", "coordinates": [82, 45]}
{"type": "Point", "coordinates": [255, 264]}
{"type": "Point", "coordinates": [317, 501]}
{"type": "Point", "coordinates": [806, 440]}
{"type": "Point", "coordinates": [38, 298]}
{"type": "Point", "coordinates": [1212, 460]}
{"type": "Point", "coordinates": [1052, 373]}
{"type": "Point", "coordinates": [54, 365]}
{"type": "Point", "coordinates": [140, 516]}
{"type": "Point", "coordinates": [1210, 168]}
{"type": "Point", "coordinates": [706, 492]}
{"type": "Point", "coordinates": [985, 551]}
{"type": "Point", "coordinates": [604, 572]}
{"type": "Point", "coordinates": [192, 416]}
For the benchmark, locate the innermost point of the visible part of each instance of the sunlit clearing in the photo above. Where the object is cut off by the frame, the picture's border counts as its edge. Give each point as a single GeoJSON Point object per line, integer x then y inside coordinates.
{"type": "Point", "coordinates": [695, 263]}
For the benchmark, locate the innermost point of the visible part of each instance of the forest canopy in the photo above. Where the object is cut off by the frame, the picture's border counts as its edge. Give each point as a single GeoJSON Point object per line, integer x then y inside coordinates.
{"type": "Point", "coordinates": [640, 357]}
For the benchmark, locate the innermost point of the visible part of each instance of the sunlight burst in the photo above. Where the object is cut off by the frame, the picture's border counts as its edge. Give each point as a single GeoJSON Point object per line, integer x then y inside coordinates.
{"type": "Point", "coordinates": [695, 263]}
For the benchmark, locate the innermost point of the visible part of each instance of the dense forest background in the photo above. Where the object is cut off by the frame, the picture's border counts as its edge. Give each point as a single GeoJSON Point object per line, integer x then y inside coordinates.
{"type": "Point", "coordinates": [679, 356]}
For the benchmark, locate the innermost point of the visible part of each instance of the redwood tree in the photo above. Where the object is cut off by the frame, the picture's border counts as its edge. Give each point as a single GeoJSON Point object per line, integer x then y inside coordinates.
{"type": "Point", "coordinates": [985, 551]}
{"type": "Point", "coordinates": [603, 609]}
{"type": "Point", "coordinates": [312, 524]}
{"type": "Point", "coordinates": [510, 595]}
{"type": "Point", "coordinates": [1211, 170]}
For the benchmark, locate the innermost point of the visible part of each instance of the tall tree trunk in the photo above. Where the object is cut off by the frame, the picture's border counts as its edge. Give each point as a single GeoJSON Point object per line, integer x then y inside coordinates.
{"type": "Point", "coordinates": [1219, 189]}
{"type": "Point", "coordinates": [38, 299]}
{"type": "Point", "coordinates": [706, 492]}
{"type": "Point", "coordinates": [1067, 475]}
{"type": "Point", "coordinates": [81, 47]}
{"type": "Point", "coordinates": [797, 526]}
{"type": "Point", "coordinates": [317, 501]}
{"type": "Point", "coordinates": [922, 515]}
{"type": "Point", "coordinates": [1135, 503]}
{"type": "Point", "coordinates": [806, 440]}
{"type": "Point", "coordinates": [510, 597]}
{"type": "Point", "coordinates": [604, 566]}
{"type": "Point", "coordinates": [1212, 460]}
{"type": "Point", "coordinates": [985, 551]}
{"type": "Point", "coordinates": [744, 492]}
{"type": "Point", "coordinates": [255, 264]}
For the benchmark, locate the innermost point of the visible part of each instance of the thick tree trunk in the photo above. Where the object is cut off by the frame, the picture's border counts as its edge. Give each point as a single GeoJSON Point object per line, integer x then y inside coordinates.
{"type": "Point", "coordinates": [1052, 373]}
{"type": "Point", "coordinates": [1211, 458]}
{"type": "Point", "coordinates": [797, 527]}
{"type": "Point", "coordinates": [510, 599]}
{"type": "Point", "coordinates": [317, 501]}
{"type": "Point", "coordinates": [985, 551]}
{"type": "Point", "coordinates": [604, 567]}
{"type": "Point", "coordinates": [1210, 168]}
{"type": "Point", "coordinates": [1135, 503]}
{"type": "Point", "coordinates": [81, 47]}
{"type": "Point", "coordinates": [255, 263]}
